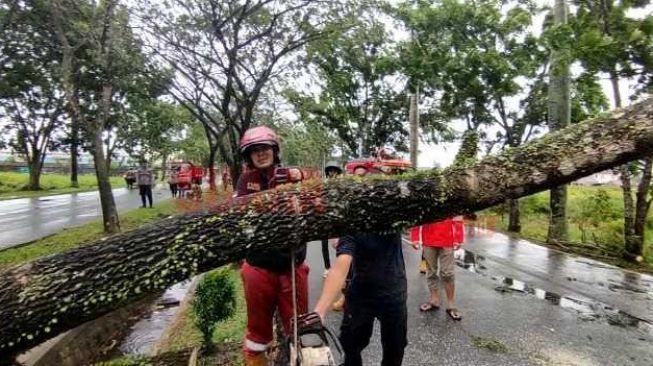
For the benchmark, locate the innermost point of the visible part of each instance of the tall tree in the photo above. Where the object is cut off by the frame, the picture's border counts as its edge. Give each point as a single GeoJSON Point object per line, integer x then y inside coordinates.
{"type": "Point", "coordinates": [359, 98]}
{"type": "Point", "coordinates": [55, 293]}
{"type": "Point", "coordinates": [225, 53]}
{"type": "Point", "coordinates": [612, 42]}
{"type": "Point", "coordinates": [101, 63]}
{"type": "Point", "coordinates": [152, 130]}
{"type": "Point", "coordinates": [470, 58]}
{"type": "Point", "coordinates": [559, 114]}
{"type": "Point", "coordinates": [30, 93]}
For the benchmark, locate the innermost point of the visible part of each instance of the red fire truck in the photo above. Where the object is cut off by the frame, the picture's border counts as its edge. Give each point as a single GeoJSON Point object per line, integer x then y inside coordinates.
{"type": "Point", "coordinates": [381, 162]}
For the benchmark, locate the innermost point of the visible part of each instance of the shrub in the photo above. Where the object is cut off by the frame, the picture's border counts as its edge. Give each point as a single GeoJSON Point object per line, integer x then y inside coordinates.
{"type": "Point", "coordinates": [215, 301]}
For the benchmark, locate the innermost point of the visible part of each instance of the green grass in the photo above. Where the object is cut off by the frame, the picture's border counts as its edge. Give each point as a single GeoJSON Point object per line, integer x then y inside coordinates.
{"type": "Point", "coordinates": [227, 335]}
{"type": "Point", "coordinates": [489, 344]}
{"type": "Point", "coordinates": [12, 184]}
{"type": "Point", "coordinates": [186, 335]}
{"type": "Point", "coordinates": [85, 234]}
{"type": "Point", "coordinates": [603, 222]}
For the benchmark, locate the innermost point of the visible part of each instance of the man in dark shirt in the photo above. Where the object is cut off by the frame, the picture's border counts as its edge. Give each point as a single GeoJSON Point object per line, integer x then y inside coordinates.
{"type": "Point", "coordinates": [377, 290]}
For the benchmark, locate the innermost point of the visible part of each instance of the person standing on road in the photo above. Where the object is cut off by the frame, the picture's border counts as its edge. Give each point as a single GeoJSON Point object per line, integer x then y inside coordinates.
{"type": "Point", "coordinates": [377, 290]}
{"type": "Point", "coordinates": [144, 180]}
{"type": "Point", "coordinates": [439, 240]}
{"type": "Point", "coordinates": [331, 170]}
{"type": "Point", "coordinates": [267, 278]}
{"type": "Point", "coordinates": [172, 182]}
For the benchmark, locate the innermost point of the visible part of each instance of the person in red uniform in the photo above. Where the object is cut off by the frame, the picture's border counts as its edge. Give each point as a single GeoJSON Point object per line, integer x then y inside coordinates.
{"type": "Point", "coordinates": [439, 239]}
{"type": "Point", "coordinates": [267, 278]}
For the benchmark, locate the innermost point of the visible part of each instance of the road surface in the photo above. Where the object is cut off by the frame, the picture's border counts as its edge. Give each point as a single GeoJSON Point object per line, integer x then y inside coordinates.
{"type": "Point", "coordinates": [26, 219]}
{"type": "Point", "coordinates": [543, 306]}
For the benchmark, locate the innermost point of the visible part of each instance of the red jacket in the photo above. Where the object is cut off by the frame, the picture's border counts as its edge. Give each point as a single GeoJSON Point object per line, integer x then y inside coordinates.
{"type": "Point", "coordinates": [445, 233]}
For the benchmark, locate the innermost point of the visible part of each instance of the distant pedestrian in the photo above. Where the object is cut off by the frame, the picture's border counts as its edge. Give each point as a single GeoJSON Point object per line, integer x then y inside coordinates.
{"type": "Point", "coordinates": [145, 179]}
{"type": "Point", "coordinates": [130, 178]}
{"type": "Point", "coordinates": [226, 178]}
{"type": "Point", "coordinates": [439, 240]}
{"type": "Point", "coordinates": [172, 182]}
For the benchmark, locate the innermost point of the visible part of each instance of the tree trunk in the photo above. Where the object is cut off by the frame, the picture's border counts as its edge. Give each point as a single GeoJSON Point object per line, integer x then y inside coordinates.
{"type": "Point", "coordinates": [109, 212]}
{"type": "Point", "coordinates": [35, 167]}
{"type": "Point", "coordinates": [213, 153]}
{"type": "Point", "coordinates": [635, 241]}
{"type": "Point", "coordinates": [50, 295]}
{"type": "Point", "coordinates": [559, 117]}
{"type": "Point", "coordinates": [413, 117]}
{"type": "Point", "coordinates": [514, 220]}
{"type": "Point", "coordinates": [74, 151]}
{"type": "Point", "coordinates": [631, 242]}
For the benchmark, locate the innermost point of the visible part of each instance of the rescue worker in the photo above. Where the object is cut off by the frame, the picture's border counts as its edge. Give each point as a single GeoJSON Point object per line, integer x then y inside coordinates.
{"type": "Point", "coordinates": [378, 289]}
{"type": "Point", "coordinates": [267, 279]}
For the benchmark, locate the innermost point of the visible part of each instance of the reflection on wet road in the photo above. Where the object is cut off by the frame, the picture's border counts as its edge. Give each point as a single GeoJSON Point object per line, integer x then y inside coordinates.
{"type": "Point", "coordinates": [560, 273]}
{"type": "Point", "coordinates": [587, 309]}
{"type": "Point", "coordinates": [25, 219]}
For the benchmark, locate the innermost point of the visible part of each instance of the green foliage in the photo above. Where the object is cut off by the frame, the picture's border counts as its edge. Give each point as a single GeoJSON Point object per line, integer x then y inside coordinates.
{"type": "Point", "coordinates": [358, 99]}
{"type": "Point", "coordinates": [153, 129]}
{"type": "Point", "coordinates": [307, 144]}
{"type": "Point", "coordinates": [126, 361]}
{"type": "Point", "coordinates": [595, 215]}
{"type": "Point", "coordinates": [215, 301]}
{"type": "Point", "coordinates": [474, 60]}
{"type": "Point", "coordinates": [608, 40]}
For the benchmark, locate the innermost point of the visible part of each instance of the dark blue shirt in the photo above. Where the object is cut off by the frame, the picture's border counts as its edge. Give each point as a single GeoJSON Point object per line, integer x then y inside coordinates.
{"type": "Point", "coordinates": [378, 269]}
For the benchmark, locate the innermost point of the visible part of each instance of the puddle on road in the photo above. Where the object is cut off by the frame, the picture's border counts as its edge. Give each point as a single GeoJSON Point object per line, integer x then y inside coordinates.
{"type": "Point", "coordinates": [588, 310]}
{"type": "Point", "coordinates": [149, 330]}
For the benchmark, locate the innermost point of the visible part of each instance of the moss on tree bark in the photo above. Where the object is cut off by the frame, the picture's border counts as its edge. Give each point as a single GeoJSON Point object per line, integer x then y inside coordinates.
{"type": "Point", "coordinates": [50, 295]}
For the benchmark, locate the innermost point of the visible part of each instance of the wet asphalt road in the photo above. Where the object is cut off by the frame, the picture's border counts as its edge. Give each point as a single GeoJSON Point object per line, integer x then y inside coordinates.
{"type": "Point", "coordinates": [545, 307]}
{"type": "Point", "coordinates": [26, 219]}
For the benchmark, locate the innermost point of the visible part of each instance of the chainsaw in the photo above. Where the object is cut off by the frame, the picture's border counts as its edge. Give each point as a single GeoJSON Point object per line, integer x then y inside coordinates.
{"type": "Point", "coordinates": [313, 344]}
{"type": "Point", "coordinates": [311, 340]}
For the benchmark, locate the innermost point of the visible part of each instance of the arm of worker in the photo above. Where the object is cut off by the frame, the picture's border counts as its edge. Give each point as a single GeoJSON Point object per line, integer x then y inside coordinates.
{"type": "Point", "coordinates": [333, 284]}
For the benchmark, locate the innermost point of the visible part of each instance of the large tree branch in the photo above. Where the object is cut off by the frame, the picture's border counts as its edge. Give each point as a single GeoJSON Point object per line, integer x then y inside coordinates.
{"type": "Point", "coordinates": [50, 295]}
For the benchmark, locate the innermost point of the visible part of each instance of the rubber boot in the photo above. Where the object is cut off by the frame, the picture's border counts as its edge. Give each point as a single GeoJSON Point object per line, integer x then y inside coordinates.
{"type": "Point", "coordinates": [255, 359]}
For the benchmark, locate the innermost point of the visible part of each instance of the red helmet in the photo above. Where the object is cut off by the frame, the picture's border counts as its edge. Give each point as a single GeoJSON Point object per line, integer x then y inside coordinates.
{"type": "Point", "coordinates": [260, 135]}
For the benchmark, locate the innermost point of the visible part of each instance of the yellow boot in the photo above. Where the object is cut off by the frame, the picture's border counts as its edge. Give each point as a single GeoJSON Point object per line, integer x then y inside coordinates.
{"type": "Point", "coordinates": [255, 359]}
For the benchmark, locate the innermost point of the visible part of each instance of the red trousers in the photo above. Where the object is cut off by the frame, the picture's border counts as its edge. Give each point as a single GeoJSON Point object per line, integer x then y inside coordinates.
{"type": "Point", "coordinates": [266, 291]}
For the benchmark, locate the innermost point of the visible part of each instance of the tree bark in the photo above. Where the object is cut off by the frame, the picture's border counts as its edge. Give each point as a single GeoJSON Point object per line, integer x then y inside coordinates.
{"type": "Point", "coordinates": [74, 151]}
{"type": "Point", "coordinates": [35, 167]}
{"type": "Point", "coordinates": [514, 220]}
{"type": "Point", "coordinates": [635, 241]}
{"type": "Point", "coordinates": [413, 117]}
{"type": "Point", "coordinates": [559, 117]}
{"type": "Point", "coordinates": [50, 295]}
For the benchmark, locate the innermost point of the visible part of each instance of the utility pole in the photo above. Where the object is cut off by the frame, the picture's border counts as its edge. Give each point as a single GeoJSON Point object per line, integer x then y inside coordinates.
{"type": "Point", "coordinates": [559, 117]}
{"type": "Point", "coordinates": [413, 117]}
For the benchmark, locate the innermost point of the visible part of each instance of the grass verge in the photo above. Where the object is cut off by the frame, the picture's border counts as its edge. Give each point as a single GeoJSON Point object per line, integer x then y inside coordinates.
{"type": "Point", "coordinates": [176, 348]}
{"type": "Point", "coordinates": [227, 335]}
{"type": "Point", "coordinates": [85, 234]}
{"type": "Point", "coordinates": [12, 184]}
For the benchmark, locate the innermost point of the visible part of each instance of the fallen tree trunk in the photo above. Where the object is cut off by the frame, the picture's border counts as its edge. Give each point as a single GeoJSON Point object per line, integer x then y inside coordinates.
{"type": "Point", "coordinates": [50, 295]}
